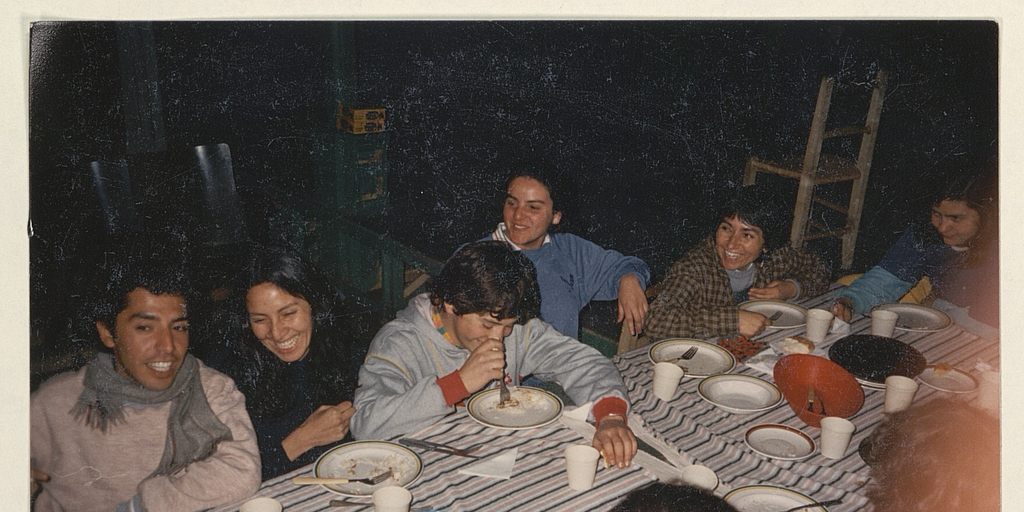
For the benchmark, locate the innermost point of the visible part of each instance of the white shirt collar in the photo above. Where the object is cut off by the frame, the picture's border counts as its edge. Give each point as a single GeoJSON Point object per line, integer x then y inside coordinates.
{"type": "Point", "coordinates": [499, 234]}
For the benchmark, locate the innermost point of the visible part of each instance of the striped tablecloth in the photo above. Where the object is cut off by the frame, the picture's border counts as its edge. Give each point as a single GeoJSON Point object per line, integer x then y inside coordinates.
{"type": "Point", "coordinates": [538, 481]}
{"type": "Point", "coordinates": [715, 438]}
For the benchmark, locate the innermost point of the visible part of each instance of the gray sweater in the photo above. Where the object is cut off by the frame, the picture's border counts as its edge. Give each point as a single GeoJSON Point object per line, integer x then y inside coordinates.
{"type": "Point", "coordinates": [398, 391]}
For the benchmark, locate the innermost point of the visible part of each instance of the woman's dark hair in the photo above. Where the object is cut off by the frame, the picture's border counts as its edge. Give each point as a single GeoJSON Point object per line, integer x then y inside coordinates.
{"type": "Point", "coordinates": [760, 207]}
{"type": "Point", "coordinates": [661, 497]}
{"type": "Point", "coordinates": [488, 276]}
{"type": "Point", "coordinates": [559, 183]}
{"type": "Point", "coordinates": [975, 182]}
{"type": "Point", "coordinates": [331, 354]}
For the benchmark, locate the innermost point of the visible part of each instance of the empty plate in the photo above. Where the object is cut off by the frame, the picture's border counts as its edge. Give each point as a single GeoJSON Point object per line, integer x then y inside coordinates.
{"type": "Point", "coordinates": [740, 394]}
{"type": "Point", "coordinates": [950, 380]}
{"type": "Point", "coordinates": [792, 315]}
{"type": "Point", "coordinates": [710, 359]}
{"type": "Point", "coordinates": [768, 498]}
{"type": "Point", "coordinates": [917, 318]}
{"type": "Point", "coordinates": [873, 358]}
{"type": "Point", "coordinates": [779, 442]}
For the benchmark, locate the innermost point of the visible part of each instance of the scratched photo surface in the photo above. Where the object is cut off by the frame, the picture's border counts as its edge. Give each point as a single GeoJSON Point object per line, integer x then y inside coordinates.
{"type": "Point", "coordinates": [652, 120]}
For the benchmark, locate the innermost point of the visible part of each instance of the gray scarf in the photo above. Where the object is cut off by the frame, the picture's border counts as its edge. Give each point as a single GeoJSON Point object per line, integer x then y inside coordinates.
{"type": "Point", "coordinates": [193, 430]}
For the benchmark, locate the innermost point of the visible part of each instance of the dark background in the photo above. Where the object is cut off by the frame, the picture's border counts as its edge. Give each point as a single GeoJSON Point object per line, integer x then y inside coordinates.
{"type": "Point", "coordinates": [654, 118]}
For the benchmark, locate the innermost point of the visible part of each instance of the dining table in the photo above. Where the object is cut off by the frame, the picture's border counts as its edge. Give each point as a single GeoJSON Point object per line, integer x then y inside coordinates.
{"type": "Point", "coordinates": [687, 429]}
{"type": "Point", "coordinates": [538, 480]}
{"type": "Point", "coordinates": [715, 438]}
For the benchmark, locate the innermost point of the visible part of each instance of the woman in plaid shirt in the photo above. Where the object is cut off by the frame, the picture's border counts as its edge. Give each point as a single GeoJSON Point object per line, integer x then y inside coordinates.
{"type": "Point", "coordinates": [746, 257]}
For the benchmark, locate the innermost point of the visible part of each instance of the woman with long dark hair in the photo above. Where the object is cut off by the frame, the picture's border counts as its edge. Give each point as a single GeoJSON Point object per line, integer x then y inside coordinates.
{"type": "Point", "coordinates": [956, 246]}
{"type": "Point", "coordinates": [298, 366]}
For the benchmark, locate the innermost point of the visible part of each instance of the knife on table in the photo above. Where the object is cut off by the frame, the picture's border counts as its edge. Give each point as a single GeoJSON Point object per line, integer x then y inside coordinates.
{"type": "Point", "coordinates": [437, 447]}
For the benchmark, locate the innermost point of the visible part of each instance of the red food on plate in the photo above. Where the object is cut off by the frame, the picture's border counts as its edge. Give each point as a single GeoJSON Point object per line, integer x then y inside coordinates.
{"type": "Point", "coordinates": [741, 347]}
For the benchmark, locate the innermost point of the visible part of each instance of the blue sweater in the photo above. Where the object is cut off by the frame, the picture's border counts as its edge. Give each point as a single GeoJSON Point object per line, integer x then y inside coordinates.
{"type": "Point", "coordinates": [910, 258]}
{"type": "Point", "coordinates": [572, 271]}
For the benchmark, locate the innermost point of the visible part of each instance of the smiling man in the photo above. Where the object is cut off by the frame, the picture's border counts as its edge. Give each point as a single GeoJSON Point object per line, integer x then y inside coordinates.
{"type": "Point", "coordinates": [479, 324]}
{"type": "Point", "coordinates": [146, 427]}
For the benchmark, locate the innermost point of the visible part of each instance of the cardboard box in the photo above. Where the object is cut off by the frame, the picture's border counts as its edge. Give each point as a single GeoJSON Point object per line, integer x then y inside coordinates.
{"type": "Point", "coordinates": [365, 126]}
{"type": "Point", "coordinates": [356, 112]}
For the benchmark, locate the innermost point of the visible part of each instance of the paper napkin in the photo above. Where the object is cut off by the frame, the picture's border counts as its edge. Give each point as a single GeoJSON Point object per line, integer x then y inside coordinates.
{"type": "Point", "coordinates": [498, 466]}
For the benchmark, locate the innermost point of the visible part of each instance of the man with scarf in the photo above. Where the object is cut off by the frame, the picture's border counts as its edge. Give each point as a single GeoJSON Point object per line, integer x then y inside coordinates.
{"type": "Point", "coordinates": [148, 427]}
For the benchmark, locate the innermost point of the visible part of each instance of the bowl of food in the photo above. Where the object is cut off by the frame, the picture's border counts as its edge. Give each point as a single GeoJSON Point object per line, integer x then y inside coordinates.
{"type": "Point", "coordinates": [815, 387]}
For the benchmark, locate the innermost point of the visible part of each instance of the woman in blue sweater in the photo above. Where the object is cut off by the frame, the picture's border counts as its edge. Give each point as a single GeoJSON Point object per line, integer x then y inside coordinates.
{"type": "Point", "coordinates": [297, 369]}
{"type": "Point", "coordinates": [571, 271]}
{"type": "Point", "coordinates": [958, 251]}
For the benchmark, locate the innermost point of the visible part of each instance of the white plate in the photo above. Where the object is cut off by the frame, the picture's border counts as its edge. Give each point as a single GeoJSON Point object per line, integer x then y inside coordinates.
{"type": "Point", "coordinates": [917, 318]}
{"type": "Point", "coordinates": [792, 315]}
{"type": "Point", "coordinates": [709, 360]}
{"type": "Point", "coordinates": [955, 381]}
{"type": "Point", "coordinates": [536, 408]}
{"type": "Point", "coordinates": [768, 498]}
{"type": "Point", "coordinates": [740, 394]}
{"type": "Point", "coordinates": [365, 459]}
{"type": "Point", "coordinates": [779, 442]}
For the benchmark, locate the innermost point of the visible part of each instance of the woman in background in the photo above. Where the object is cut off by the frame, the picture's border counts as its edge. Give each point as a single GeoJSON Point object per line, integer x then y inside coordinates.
{"type": "Point", "coordinates": [958, 250]}
{"type": "Point", "coordinates": [746, 257]}
{"type": "Point", "coordinates": [571, 271]}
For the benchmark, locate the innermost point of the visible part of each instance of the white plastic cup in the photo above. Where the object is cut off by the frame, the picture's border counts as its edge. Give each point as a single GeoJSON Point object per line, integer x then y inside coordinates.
{"type": "Point", "coordinates": [699, 476]}
{"type": "Point", "coordinates": [988, 390]}
{"type": "Point", "coordinates": [835, 436]}
{"type": "Point", "coordinates": [391, 499]}
{"type": "Point", "coordinates": [899, 393]}
{"type": "Point", "coordinates": [261, 505]}
{"type": "Point", "coordinates": [818, 323]}
{"type": "Point", "coordinates": [581, 466]}
{"type": "Point", "coordinates": [666, 380]}
{"type": "Point", "coordinates": [883, 322]}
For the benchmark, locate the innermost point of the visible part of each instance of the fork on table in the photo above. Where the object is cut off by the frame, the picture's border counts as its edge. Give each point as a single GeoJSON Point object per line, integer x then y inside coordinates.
{"type": "Point", "coordinates": [313, 480]}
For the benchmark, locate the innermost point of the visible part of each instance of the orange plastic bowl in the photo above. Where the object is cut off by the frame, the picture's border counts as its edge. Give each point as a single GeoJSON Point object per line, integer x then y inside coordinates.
{"type": "Point", "coordinates": [834, 387]}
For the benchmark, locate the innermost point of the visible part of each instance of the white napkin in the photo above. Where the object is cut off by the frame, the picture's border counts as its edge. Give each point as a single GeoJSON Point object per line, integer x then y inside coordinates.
{"type": "Point", "coordinates": [580, 413]}
{"type": "Point", "coordinates": [764, 361]}
{"type": "Point", "coordinates": [498, 466]}
{"type": "Point", "coordinates": [840, 327]}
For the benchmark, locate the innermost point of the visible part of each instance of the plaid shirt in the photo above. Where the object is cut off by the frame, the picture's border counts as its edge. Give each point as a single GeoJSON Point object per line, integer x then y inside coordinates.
{"type": "Point", "coordinates": [696, 299]}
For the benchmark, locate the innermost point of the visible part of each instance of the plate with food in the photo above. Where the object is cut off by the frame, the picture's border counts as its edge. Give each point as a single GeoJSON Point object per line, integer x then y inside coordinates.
{"type": "Point", "coordinates": [700, 358]}
{"type": "Point", "coordinates": [917, 317]}
{"type": "Point", "coordinates": [366, 459]}
{"type": "Point", "coordinates": [779, 442]}
{"type": "Point", "coordinates": [790, 315]}
{"type": "Point", "coordinates": [944, 377]}
{"type": "Point", "coordinates": [533, 408]}
{"type": "Point", "coordinates": [872, 358]}
{"type": "Point", "coordinates": [739, 394]}
{"type": "Point", "coordinates": [768, 498]}
{"type": "Point", "coordinates": [794, 345]}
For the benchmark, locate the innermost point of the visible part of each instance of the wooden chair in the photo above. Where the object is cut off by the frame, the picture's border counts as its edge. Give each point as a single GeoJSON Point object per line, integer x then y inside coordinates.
{"type": "Point", "coordinates": [628, 341]}
{"type": "Point", "coordinates": [818, 168]}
